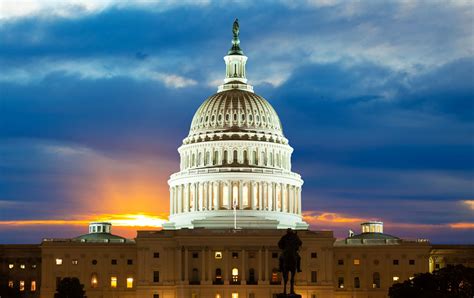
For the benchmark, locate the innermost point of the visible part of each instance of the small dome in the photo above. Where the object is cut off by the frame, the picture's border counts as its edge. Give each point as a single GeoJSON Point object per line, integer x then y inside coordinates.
{"type": "Point", "coordinates": [233, 112]}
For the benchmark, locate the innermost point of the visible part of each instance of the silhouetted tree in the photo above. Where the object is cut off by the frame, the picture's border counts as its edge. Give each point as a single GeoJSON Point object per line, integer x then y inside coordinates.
{"type": "Point", "coordinates": [70, 287]}
{"type": "Point", "coordinates": [450, 282]}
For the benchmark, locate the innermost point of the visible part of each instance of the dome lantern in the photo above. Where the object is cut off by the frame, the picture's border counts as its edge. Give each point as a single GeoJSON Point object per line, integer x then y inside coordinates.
{"type": "Point", "coordinates": [235, 75]}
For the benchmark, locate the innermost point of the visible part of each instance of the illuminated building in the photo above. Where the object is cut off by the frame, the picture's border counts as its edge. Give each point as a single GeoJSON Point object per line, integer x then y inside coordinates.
{"type": "Point", "coordinates": [230, 203]}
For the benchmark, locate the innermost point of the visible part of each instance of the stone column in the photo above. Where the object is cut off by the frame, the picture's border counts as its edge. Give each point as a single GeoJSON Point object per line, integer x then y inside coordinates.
{"type": "Point", "coordinates": [299, 200]}
{"type": "Point", "coordinates": [187, 196]}
{"type": "Point", "coordinates": [230, 188]}
{"type": "Point", "coordinates": [253, 196]}
{"type": "Point", "coordinates": [186, 266]}
{"type": "Point", "coordinates": [210, 191]}
{"type": "Point", "coordinates": [179, 203]}
{"type": "Point", "coordinates": [209, 267]}
{"type": "Point", "coordinates": [274, 195]}
{"type": "Point", "coordinates": [203, 266]}
{"type": "Point", "coordinates": [260, 268]}
{"type": "Point", "coordinates": [171, 190]}
{"type": "Point", "coordinates": [241, 194]}
{"type": "Point", "coordinates": [179, 256]}
{"type": "Point", "coordinates": [226, 267]}
{"type": "Point", "coordinates": [218, 196]}
{"type": "Point", "coordinates": [260, 195]}
{"type": "Point", "coordinates": [266, 266]}
{"type": "Point", "coordinates": [243, 280]}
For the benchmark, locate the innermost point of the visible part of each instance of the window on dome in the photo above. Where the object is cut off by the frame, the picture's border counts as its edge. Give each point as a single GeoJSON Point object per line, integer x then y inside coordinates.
{"type": "Point", "coordinates": [219, 117]}
{"type": "Point", "coordinates": [227, 117]}
{"type": "Point", "coordinates": [235, 117]}
{"type": "Point", "coordinates": [243, 117]}
{"type": "Point", "coordinates": [207, 118]}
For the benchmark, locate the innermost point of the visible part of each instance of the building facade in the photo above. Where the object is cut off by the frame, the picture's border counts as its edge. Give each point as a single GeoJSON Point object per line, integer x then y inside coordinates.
{"type": "Point", "coordinates": [232, 199]}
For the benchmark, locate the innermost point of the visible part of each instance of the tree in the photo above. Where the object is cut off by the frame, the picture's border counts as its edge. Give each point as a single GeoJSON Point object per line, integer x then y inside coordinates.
{"type": "Point", "coordinates": [450, 282]}
{"type": "Point", "coordinates": [70, 287]}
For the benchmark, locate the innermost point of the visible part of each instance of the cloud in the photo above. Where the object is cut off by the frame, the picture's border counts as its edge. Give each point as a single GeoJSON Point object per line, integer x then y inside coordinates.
{"type": "Point", "coordinates": [78, 8]}
{"type": "Point", "coordinates": [93, 69]}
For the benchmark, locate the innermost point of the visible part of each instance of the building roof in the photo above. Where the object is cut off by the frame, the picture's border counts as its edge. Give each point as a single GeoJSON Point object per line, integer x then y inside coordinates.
{"type": "Point", "coordinates": [100, 237]}
{"type": "Point", "coordinates": [380, 236]}
{"type": "Point", "coordinates": [232, 112]}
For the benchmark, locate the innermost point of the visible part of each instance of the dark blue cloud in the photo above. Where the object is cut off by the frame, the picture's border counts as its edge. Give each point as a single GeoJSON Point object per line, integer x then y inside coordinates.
{"type": "Point", "coordinates": [376, 120]}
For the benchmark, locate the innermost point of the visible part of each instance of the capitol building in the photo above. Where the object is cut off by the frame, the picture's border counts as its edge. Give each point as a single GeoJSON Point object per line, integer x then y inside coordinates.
{"type": "Point", "coordinates": [234, 196]}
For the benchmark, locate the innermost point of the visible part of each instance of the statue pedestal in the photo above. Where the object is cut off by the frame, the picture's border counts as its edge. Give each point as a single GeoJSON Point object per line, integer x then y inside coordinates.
{"type": "Point", "coordinates": [288, 295]}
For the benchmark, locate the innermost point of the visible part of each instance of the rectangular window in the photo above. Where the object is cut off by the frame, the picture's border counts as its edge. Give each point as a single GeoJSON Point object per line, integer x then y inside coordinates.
{"type": "Point", "coordinates": [10, 266]}
{"type": "Point", "coordinates": [156, 295]}
{"type": "Point", "coordinates": [314, 255]}
{"type": "Point", "coordinates": [356, 282]}
{"type": "Point", "coordinates": [10, 283]}
{"type": "Point", "coordinates": [33, 286]}
{"type": "Point", "coordinates": [356, 261]}
{"type": "Point", "coordinates": [274, 255]}
{"type": "Point", "coordinates": [195, 255]}
{"type": "Point", "coordinates": [156, 276]}
{"type": "Point", "coordinates": [74, 262]}
{"type": "Point", "coordinates": [113, 282]}
{"type": "Point", "coordinates": [22, 266]}
{"type": "Point", "coordinates": [218, 255]}
{"type": "Point", "coordinates": [396, 278]}
{"type": "Point", "coordinates": [22, 285]}
{"type": "Point", "coordinates": [314, 276]}
{"type": "Point", "coordinates": [340, 282]}
{"type": "Point", "coordinates": [395, 262]}
{"type": "Point", "coordinates": [156, 255]}
{"type": "Point", "coordinates": [437, 266]}
{"type": "Point", "coordinates": [59, 261]}
{"type": "Point", "coordinates": [340, 262]}
{"type": "Point", "coordinates": [313, 295]}
{"type": "Point", "coordinates": [235, 295]}
{"type": "Point", "coordinates": [129, 262]}
{"type": "Point", "coordinates": [113, 262]}
{"type": "Point", "coordinates": [235, 255]}
{"type": "Point", "coordinates": [129, 282]}
{"type": "Point", "coordinates": [411, 262]}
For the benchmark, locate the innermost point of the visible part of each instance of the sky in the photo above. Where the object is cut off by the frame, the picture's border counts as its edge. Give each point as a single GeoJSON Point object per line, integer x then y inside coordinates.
{"type": "Point", "coordinates": [375, 97]}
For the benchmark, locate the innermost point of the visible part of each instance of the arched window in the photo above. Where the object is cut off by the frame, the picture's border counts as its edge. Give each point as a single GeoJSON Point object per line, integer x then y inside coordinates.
{"type": "Point", "coordinates": [218, 279]}
{"type": "Point", "coordinates": [251, 276]}
{"type": "Point", "coordinates": [235, 157]}
{"type": "Point", "coordinates": [193, 159]}
{"type": "Point", "coordinates": [235, 275]}
{"type": "Point", "coordinates": [195, 276]}
{"type": "Point", "coordinates": [226, 157]}
{"type": "Point", "coordinates": [376, 280]}
{"type": "Point", "coordinates": [94, 280]}
{"type": "Point", "coordinates": [199, 161]}
{"type": "Point", "coordinates": [356, 282]}
{"type": "Point", "coordinates": [246, 159]}
{"type": "Point", "coordinates": [275, 278]}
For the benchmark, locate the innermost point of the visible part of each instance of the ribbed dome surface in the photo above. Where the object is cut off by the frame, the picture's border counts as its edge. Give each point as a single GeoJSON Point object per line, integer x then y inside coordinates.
{"type": "Point", "coordinates": [235, 111]}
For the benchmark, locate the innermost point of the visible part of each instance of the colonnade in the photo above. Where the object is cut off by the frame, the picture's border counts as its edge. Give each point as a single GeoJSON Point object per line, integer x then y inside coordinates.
{"type": "Point", "coordinates": [220, 156]}
{"type": "Point", "coordinates": [244, 195]}
{"type": "Point", "coordinates": [207, 270]}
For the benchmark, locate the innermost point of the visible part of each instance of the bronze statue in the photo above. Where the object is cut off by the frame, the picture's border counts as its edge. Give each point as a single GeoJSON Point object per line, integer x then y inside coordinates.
{"type": "Point", "coordinates": [235, 28]}
{"type": "Point", "coordinates": [289, 259]}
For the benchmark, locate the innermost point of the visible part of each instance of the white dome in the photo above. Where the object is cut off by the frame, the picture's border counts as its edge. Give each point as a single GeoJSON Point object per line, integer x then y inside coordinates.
{"type": "Point", "coordinates": [238, 115]}
{"type": "Point", "coordinates": [235, 169]}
